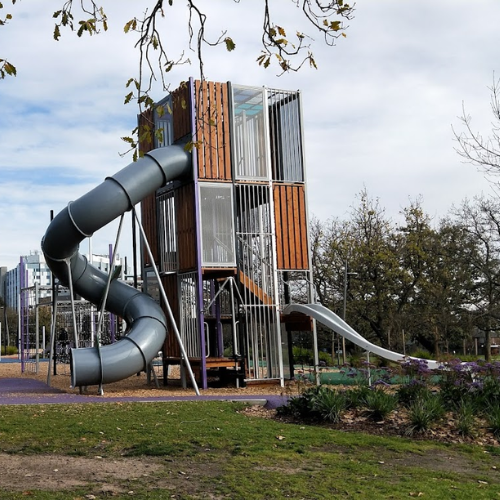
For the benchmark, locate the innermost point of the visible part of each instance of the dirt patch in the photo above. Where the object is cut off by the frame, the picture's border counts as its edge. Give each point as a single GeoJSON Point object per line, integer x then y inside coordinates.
{"type": "Point", "coordinates": [57, 472]}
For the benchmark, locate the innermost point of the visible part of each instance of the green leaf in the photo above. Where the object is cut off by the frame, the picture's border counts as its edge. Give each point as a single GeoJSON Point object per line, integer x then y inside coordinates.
{"type": "Point", "coordinates": [335, 25]}
{"type": "Point", "coordinates": [128, 140]}
{"type": "Point", "coordinates": [131, 25]}
{"type": "Point", "coordinates": [57, 33]}
{"type": "Point", "coordinates": [230, 45]}
{"type": "Point", "coordinates": [128, 97]}
{"type": "Point", "coordinates": [10, 69]}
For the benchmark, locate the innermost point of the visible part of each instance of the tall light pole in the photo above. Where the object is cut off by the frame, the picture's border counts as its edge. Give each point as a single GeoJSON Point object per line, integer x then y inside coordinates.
{"type": "Point", "coordinates": [346, 276]}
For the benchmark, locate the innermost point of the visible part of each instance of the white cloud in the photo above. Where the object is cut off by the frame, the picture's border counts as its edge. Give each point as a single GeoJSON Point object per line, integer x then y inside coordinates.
{"type": "Point", "coordinates": [378, 112]}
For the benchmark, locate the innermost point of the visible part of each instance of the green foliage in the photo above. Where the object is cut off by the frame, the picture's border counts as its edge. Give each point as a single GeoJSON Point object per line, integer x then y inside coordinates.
{"type": "Point", "coordinates": [422, 354]}
{"type": "Point", "coordinates": [315, 403]}
{"type": "Point", "coordinates": [9, 350]}
{"type": "Point", "coordinates": [493, 417]}
{"type": "Point", "coordinates": [357, 397]}
{"type": "Point", "coordinates": [411, 392]}
{"type": "Point", "coordinates": [424, 412]}
{"type": "Point", "coordinates": [303, 356]}
{"type": "Point", "coordinates": [329, 404]}
{"type": "Point", "coordinates": [466, 418]}
{"type": "Point", "coordinates": [380, 403]}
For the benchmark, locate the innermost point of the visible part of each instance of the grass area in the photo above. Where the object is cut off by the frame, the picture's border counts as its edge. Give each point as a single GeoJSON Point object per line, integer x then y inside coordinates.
{"type": "Point", "coordinates": [212, 450]}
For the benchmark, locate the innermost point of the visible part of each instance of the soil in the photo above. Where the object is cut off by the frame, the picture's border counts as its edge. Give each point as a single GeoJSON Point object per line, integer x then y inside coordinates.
{"type": "Point", "coordinates": [136, 386]}
{"type": "Point", "coordinates": [102, 477]}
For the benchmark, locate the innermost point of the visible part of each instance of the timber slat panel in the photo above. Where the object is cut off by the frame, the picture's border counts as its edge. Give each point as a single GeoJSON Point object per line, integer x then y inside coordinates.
{"type": "Point", "coordinates": [303, 233]}
{"type": "Point", "coordinates": [181, 112]}
{"type": "Point", "coordinates": [291, 227]}
{"type": "Point", "coordinates": [255, 289]}
{"type": "Point", "coordinates": [213, 170]}
{"type": "Point", "coordinates": [212, 131]}
{"type": "Point", "coordinates": [148, 204]}
{"type": "Point", "coordinates": [186, 231]}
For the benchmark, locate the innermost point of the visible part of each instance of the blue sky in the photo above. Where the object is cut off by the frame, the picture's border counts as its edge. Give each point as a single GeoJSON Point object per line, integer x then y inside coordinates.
{"type": "Point", "coordinates": [378, 112]}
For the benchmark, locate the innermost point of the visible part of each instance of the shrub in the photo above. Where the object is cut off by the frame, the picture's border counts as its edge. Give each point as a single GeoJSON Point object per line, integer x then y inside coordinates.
{"type": "Point", "coordinates": [9, 350]}
{"type": "Point", "coordinates": [301, 355]}
{"type": "Point", "coordinates": [358, 397]}
{"type": "Point", "coordinates": [412, 391]}
{"type": "Point", "coordinates": [380, 403]}
{"type": "Point", "coordinates": [316, 403]}
{"type": "Point", "coordinates": [466, 420]}
{"type": "Point", "coordinates": [298, 406]}
{"type": "Point", "coordinates": [423, 354]}
{"type": "Point", "coordinates": [325, 358]}
{"type": "Point", "coordinates": [329, 404]}
{"type": "Point", "coordinates": [424, 412]}
{"type": "Point", "coordinates": [493, 419]}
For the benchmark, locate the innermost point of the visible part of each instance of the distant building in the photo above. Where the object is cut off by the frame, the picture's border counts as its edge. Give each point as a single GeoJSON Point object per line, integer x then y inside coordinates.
{"type": "Point", "coordinates": [33, 269]}
{"type": "Point", "coordinates": [3, 275]}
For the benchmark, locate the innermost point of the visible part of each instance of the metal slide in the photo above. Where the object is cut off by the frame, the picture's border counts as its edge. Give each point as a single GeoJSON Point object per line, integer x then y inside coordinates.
{"type": "Point", "coordinates": [339, 326]}
{"type": "Point", "coordinates": [147, 326]}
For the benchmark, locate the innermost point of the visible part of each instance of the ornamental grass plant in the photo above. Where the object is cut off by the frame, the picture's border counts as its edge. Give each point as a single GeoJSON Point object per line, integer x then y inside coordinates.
{"type": "Point", "coordinates": [467, 393]}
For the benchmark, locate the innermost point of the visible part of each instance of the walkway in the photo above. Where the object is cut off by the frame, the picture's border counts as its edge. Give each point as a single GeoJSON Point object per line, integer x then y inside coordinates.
{"type": "Point", "coordinates": [21, 391]}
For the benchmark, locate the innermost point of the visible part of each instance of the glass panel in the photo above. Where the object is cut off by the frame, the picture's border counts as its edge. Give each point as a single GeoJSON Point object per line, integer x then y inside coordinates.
{"type": "Point", "coordinates": [217, 227]}
{"type": "Point", "coordinates": [250, 133]}
{"type": "Point", "coordinates": [163, 123]}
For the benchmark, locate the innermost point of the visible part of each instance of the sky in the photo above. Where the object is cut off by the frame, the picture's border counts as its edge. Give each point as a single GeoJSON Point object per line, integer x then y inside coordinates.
{"type": "Point", "coordinates": [378, 111]}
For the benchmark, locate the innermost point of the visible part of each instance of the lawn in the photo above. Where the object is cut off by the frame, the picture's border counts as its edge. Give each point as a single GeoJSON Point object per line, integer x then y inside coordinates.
{"type": "Point", "coordinates": [217, 450]}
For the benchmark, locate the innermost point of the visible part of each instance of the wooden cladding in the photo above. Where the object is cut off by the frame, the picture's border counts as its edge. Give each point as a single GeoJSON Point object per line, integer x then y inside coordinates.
{"type": "Point", "coordinates": [212, 131]}
{"type": "Point", "coordinates": [291, 226]}
{"type": "Point", "coordinates": [186, 227]}
{"type": "Point", "coordinates": [255, 289]}
{"type": "Point", "coordinates": [148, 204]}
{"type": "Point", "coordinates": [181, 106]}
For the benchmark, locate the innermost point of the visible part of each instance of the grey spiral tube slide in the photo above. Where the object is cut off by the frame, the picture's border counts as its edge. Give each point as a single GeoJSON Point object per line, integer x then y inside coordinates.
{"type": "Point", "coordinates": [147, 326]}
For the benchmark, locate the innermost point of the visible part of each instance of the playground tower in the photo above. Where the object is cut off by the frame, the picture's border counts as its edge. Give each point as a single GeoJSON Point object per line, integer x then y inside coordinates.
{"type": "Point", "coordinates": [231, 244]}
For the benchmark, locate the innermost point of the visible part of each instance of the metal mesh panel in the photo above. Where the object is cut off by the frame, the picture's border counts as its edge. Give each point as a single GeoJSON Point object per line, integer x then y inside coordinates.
{"type": "Point", "coordinates": [257, 277]}
{"type": "Point", "coordinates": [35, 313]}
{"type": "Point", "coordinates": [167, 233]}
{"type": "Point", "coordinates": [250, 133]}
{"type": "Point", "coordinates": [294, 287]}
{"type": "Point", "coordinates": [217, 227]}
{"type": "Point", "coordinates": [189, 315]}
{"type": "Point", "coordinates": [286, 136]}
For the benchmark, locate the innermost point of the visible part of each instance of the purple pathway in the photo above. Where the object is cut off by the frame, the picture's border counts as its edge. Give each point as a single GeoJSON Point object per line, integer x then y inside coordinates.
{"type": "Point", "coordinates": [17, 391]}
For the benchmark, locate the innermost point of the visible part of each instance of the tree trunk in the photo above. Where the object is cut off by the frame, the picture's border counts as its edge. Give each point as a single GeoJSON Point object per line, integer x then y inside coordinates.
{"type": "Point", "coordinates": [487, 346]}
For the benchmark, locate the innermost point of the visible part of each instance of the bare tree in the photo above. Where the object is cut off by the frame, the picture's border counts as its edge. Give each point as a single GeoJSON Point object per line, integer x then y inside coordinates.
{"type": "Point", "coordinates": [482, 151]}
{"type": "Point", "coordinates": [284, 47]}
